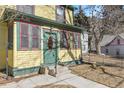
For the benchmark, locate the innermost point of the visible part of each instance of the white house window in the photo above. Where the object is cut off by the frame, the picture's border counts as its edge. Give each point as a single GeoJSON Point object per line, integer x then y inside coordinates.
{"type": "Point", "coordinates": [117, 52]}
{"type": "Point", "coordinates": [26, 8]}
{"type": "Point", "coordinates": [107, 51]}
{"type": "Point", "coordinates": [60, 14]}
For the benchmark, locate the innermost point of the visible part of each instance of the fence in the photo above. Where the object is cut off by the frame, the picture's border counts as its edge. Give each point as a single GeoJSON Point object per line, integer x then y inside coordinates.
{"type": "Point", "coordinates": [103, 60]}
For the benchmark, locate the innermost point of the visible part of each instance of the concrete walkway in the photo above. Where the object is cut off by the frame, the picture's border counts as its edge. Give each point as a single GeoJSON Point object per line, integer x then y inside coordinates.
{"type": "Point", "coordinates": [70, 79]}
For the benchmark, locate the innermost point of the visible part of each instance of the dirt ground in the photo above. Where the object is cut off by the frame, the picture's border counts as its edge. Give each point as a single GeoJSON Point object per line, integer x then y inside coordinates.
{"type": "Point", "coordinates": [56, 86]}
{"type": "Point", "coordinates": [108, 60]}
{"type": "Point", "coordinates": [109, 76]}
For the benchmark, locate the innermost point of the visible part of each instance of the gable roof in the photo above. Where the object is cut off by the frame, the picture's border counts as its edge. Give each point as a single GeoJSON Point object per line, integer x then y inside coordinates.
{"type": "Point", "coordinates": [108, 39]}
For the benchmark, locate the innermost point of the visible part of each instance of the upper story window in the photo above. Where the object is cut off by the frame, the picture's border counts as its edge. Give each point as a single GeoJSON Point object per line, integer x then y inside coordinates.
{"type": "Point", "coordinates": [60, 14]}
{"type": "Point", "coordinates": [107, 51]}
{"type": "Point", "coordinates": [26, 8]}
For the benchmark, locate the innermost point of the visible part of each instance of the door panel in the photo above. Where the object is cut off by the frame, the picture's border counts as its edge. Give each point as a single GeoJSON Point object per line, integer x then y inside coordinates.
{"type": "Point", "coordinates": [49, 48]}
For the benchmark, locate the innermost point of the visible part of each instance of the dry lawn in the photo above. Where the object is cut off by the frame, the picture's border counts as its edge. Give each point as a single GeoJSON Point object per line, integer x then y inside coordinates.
{"type": "Point", "coordinates": [109, 76]}
{"type": "Point", "coordinates": [103, 59]}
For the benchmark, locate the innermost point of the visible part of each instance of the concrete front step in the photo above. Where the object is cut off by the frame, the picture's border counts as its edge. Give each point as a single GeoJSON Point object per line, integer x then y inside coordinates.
{"type": "Point", "coordinates": [61, 70]}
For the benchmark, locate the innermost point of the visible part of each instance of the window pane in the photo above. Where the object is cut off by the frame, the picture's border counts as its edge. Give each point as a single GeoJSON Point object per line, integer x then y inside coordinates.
{"type": "Point", "coordinates": [60, 14]}
{"type": "Point", "coordinates": [75, 40]}
{"type": "Point", "coordinates": [35, 31]}
{"type": "Point", "coordinates": [70, 40]}
{"type": "Point", "coordinates": [24, 29]}
{"type": "Point", "coordinates": [63, 40]}
{"type": "Point", "coordinates": [35, 37]}
{"type": "Point", "coordinates": [24, 35]}
{"type": "Point", "coordinates": [24, 42]}
{"type": "Point", "coordinates": [35, 42]}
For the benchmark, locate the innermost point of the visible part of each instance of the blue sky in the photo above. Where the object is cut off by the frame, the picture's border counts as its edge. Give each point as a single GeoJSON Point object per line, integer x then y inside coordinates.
{"type": "Point", "coordinates": [83, 6]}
{"type": "Point", "coordinates": [86, 11]}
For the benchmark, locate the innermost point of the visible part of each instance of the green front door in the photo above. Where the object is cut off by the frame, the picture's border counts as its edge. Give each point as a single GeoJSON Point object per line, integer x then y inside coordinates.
{"type": "Point", "coordinates": [49, 48]}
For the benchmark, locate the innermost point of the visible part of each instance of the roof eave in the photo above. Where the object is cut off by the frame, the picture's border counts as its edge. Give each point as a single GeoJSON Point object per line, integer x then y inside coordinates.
{"type": "Point", "coordinates": [44, 21]}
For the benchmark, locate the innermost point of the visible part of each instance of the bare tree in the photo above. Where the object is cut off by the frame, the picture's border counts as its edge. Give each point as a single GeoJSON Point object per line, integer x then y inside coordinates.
{"type": "Point", "coordinates": [103, 20]}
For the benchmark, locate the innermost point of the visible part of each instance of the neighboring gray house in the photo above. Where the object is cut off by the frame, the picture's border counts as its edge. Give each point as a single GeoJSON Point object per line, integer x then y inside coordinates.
{"type": "Point", "coordinates": [85, 42]}
{"type": "Point", "coordinates": [113, 45]}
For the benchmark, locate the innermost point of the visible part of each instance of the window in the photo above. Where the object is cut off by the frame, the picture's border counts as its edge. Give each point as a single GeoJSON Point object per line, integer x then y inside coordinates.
{"type": "Point", "coordinates": [118, 41]}
{"type": "Point", "coordinates": [70, 40]}
{"type": "Point", "coordinates": [117, 52]}
{"type": "Point", "coordinates": [24, 35]}
{"type": "Point", "coordinates": [28, 36]}
{"type": "Point", "coordinates": [26, 8]}
{"type": "Point", "coordinates": [35, 36]}
{"type": "Point", "coordinates": [106, 51]}
{"type": "Point", "coordinates": [77, 40]}
{"type": "Point", "coordinates": [63, 39]}
{"type": "Point", "coordinates": [60, 14]}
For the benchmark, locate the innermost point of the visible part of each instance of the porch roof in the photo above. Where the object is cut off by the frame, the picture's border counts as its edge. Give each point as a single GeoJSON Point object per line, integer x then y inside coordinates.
{"type": "Point", "coordinates": [40, 20]}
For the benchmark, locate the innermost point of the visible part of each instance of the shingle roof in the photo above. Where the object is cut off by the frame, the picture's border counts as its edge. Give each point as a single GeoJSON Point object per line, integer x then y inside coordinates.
{"type": "Point", "coordinates": [108, 38]}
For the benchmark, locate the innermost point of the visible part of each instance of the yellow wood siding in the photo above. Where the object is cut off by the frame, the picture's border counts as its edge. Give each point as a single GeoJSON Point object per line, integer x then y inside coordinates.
{"type": "Point", "coordinates": [66, 55]}
{"type": "Point", "coordinates": [10, 58]}
{"type": "Point", "coordinates": [69, 16]}
{"type": "Point", "coordinates": [25, 59]}
{"type": "Point", "coordinates": [3, 43]}
{"type": "Point", "coordinates": [46, 11]}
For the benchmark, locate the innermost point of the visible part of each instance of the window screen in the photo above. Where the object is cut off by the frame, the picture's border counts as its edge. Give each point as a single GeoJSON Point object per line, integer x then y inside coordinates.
{"type": "Point", "coordinates": [24, 36]}
{"type": "Point", "coordinates": [63, 39]}
{"type": "Point", "coordinates": [75, 40]}
{"type": "Point", "coordinates": [35, 36]}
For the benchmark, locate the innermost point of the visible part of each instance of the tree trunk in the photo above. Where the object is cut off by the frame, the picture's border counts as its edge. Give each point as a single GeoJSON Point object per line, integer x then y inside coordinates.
{"type": "Point", "coordinates": [98, 48]}
{"type": "Point", "coordinates": [90, 44]}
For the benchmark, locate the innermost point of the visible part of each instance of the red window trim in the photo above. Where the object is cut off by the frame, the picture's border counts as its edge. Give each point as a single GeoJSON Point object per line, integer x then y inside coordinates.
{"type": "Point", "coordinates": [23, 48]}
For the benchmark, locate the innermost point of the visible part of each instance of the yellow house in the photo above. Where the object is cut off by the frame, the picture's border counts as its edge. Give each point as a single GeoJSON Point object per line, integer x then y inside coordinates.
{"type": "Point", "coordinates": [36, 36]}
